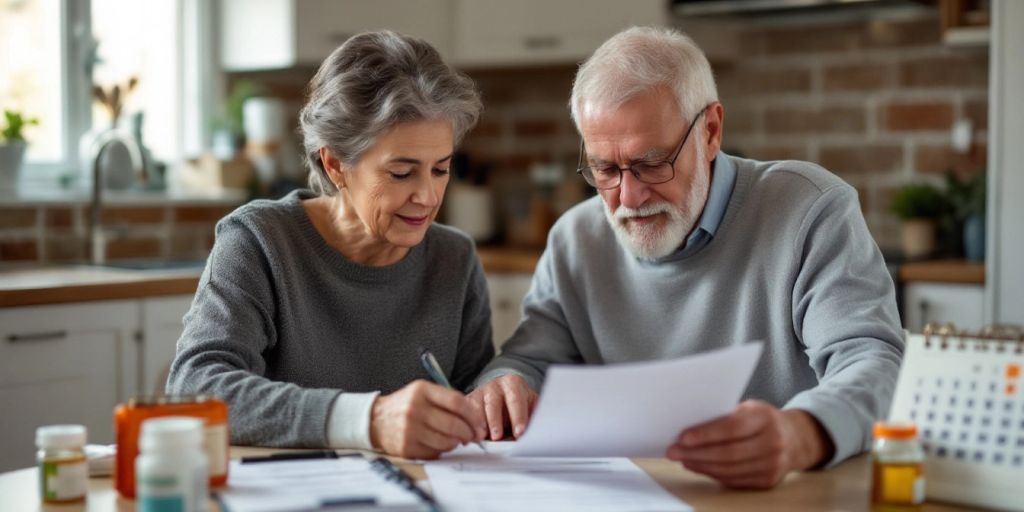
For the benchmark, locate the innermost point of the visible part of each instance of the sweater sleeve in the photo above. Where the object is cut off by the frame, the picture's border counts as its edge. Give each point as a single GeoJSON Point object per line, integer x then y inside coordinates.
{"type": "Point", "coordinates": [476, 345]}
{"type": "Point", "coordinates": [844, 313]}
{"type": "Point", "coordinates": [542, 337]}
{"type": "Point", "coordinates": [229, 327]}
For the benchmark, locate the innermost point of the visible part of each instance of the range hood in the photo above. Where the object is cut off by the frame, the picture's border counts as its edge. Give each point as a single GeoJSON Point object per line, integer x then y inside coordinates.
{"type": "Point", "coordinates": [751, 7]}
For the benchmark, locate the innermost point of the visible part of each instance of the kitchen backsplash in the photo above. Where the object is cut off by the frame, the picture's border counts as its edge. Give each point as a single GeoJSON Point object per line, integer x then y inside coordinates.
{"type": "Point", "coordinates": [49, 233]}
{"type": "Point", "coordinates": [873, 101]}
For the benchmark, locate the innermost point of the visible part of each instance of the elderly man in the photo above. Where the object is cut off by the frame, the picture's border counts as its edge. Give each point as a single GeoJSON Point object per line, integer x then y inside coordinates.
{"type": "Point", "coordinates": [689, 249]}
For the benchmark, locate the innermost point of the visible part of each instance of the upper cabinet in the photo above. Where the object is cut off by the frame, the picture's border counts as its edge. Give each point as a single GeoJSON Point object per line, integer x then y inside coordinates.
{"type": "Point", "coordinates": [275, 34]}
{"type": "Point", "coordinates": [527, 32]}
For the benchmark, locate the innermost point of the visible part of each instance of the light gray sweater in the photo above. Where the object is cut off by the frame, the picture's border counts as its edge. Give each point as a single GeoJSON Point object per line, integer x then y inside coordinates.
{"type": "Point", "coordinates": [792, 263]}
{"type": "Point", "coordinates": [282, 323]}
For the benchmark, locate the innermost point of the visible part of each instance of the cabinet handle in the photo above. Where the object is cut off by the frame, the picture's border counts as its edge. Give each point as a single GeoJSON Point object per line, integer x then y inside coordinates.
{"type": "Point", "coordinates": [542, 42]}
{"type": "Point", "coordinates": [37, 336]}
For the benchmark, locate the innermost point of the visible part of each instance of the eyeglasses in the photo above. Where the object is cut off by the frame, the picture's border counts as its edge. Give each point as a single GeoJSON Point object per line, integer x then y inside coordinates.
{"type": "Point", "coordinates": [604, 177]}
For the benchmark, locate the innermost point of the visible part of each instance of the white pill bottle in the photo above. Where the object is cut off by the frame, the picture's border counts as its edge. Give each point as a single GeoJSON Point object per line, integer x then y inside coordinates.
{"type": "Point", "coordinates": [171, 470]}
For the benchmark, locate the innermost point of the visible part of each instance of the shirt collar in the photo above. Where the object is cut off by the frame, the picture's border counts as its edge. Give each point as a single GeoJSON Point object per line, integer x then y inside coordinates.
{"type": "Point", "coordinates": [723, 178]}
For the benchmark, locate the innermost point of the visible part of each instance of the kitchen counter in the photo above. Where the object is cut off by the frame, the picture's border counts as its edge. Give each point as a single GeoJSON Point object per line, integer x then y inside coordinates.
{"type": "Point", "coordinates": [943, 271]}
{"type": "Point", "coordinates": [34, 285]}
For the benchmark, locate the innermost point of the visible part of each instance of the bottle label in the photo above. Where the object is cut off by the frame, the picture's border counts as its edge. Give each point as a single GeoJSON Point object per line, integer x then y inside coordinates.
{"type": "Point", "coordinates": [216, 444]}
{"type": "Point", "coordinates": [161, 504]}
{"type": "Point", "coordinates": [63, 481]}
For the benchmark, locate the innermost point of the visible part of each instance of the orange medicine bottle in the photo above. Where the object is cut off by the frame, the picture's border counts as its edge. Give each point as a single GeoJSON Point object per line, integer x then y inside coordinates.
{"type": "Point", "coordinates": [897, 465]}
{"type": "Point", "coordinates": [128, 420]}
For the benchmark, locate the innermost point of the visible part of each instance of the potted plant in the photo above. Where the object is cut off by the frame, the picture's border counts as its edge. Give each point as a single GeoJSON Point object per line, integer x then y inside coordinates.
{"type": "Point", "coordinates": [966, 199]}
{"type": "Point", "coordinates": [918, 205]}
{"type": "Point", "coordinates": [12, 147]}
{"type": "Point", "coordinates": [228, 128]}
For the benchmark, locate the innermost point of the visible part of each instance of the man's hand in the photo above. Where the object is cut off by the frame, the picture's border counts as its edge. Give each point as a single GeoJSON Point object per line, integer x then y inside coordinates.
{"type": "Point", "coordinates": [423, 420]}
{"type": "Point", "coordinates": [754, 447]}
{"type": "Point", "coordinates": [507, 400]}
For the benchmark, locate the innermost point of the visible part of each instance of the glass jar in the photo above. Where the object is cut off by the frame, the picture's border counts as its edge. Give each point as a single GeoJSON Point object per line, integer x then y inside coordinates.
{"type": "Point", "coordinates": [897, 481]}
{"type": "Point", "coordinates": [63, 468]}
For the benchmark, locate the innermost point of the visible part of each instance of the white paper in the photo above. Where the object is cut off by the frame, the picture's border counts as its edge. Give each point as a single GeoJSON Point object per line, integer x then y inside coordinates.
{"type": "Point", "coordinates": [469, 480]}
{"type": "Point", "coordinates": [308, 484]}
{"type": "Point", "coordinates": [634, 409]}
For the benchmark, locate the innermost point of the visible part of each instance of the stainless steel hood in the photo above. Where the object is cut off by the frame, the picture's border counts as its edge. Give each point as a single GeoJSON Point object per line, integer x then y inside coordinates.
{"type": "Point", "coordinates": [750, 7]}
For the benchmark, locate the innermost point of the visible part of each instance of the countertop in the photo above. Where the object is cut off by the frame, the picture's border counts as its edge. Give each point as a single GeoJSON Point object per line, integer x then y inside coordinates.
{"type": "Point", "coordinates": [844, 487]}
{"type": "Point", "coordinates": [943, 271]}
{"type": "Point", "coordinates": [35, 285]}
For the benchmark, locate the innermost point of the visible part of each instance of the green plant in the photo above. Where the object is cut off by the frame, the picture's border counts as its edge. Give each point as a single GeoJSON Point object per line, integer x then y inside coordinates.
{"type": "Point", "coordinates": [15, 123]}
{"type": "Point", "coordinates": [231, 118]}
{"type": "Point", "coordinates": [965, 197]}
{"type": "Point", "coordinates": [918, 201]}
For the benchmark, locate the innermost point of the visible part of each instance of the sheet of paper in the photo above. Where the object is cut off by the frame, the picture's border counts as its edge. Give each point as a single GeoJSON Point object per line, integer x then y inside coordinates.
{"type": "Point", "coordinates": [635, 409]}
{"type": "Point", "coordinates": [468, 479]}
{"type": "Point", "coordinates": [310, 485]}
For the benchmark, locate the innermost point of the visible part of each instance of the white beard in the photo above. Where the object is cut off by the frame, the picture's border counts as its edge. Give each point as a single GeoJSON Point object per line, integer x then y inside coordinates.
{"type": "Point", "coordinates": [655, 240]}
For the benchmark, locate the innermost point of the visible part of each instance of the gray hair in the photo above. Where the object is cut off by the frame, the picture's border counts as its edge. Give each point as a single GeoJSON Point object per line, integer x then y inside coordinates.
{"type": "Point", "coordinates": [371, 83]}
{"type": "Point", "coordinates": [639, 59]}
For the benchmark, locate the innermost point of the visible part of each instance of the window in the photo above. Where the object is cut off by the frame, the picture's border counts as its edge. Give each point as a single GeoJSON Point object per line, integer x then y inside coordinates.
{"type": "Point", "coordinates": [50, 48]}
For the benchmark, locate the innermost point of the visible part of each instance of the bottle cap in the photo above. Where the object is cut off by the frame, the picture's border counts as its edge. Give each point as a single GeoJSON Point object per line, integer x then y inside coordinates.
{"type": "Point", "coordinates": [171, 432]}
{"type": "Point", "coordinates": [895, 430]}
{"type": "Point", "coordinates": [60, 436]}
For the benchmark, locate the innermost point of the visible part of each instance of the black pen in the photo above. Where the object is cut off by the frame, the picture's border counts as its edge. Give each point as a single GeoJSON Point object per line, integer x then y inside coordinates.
{"type": "Point", "coordinates": [277, 457]}
{"type": "Point", "coordinates": [395, 474]}
{"type": "Point", "coordinates": [437, 375]}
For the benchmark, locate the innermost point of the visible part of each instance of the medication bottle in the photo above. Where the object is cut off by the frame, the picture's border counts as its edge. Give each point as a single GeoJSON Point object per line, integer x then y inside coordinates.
{"type": "Point", "coordinates": [128, 420]}
{"type": "Point", "coordinates": [63, 469]}
{"type": "Point", "coordinates": [897, 481]}
{"type": "Point", "coordinates": [171, 471]}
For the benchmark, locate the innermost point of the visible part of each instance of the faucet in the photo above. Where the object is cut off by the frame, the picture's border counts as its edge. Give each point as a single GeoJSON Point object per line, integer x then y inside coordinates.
{"type": "Point", "coordinates": [97, 237]}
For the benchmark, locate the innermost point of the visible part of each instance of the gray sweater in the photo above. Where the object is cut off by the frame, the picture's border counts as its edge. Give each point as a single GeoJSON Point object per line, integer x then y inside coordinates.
{"type": "Point", "coordinates": [282, 323]}
{"type": "Point", "coordinates": [792, 263]}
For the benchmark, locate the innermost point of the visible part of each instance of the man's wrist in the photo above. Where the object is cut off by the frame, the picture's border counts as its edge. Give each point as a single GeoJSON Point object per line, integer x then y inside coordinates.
{"type": "Point", "coordinates": [813, 446]}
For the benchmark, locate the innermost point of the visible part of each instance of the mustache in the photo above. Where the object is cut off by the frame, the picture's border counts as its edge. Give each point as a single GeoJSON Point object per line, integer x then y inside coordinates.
{"type": "Point", "coordinates": [623, 213]}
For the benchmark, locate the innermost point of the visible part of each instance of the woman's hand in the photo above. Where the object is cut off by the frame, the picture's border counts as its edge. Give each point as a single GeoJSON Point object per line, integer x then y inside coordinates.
{"type": "Point", "coordinates": [423, 420]}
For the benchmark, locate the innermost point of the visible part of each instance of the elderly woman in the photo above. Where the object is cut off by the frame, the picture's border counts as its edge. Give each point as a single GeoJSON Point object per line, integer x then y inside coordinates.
{"type": "Point", "coordinates": [312, 309]}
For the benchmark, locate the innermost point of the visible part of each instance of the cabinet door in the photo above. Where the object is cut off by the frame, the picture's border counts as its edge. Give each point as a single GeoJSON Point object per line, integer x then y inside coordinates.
{"type": "Point", "coordinates": [506, 295]}
{"type": "Point", "coordinates": [63, 364]}
{"type": "Point", "coordinates": [161, 328]}
{"type": "Point", "coordinates": [962, 304]}
{"type": "Point", "coordinates": [326, 24]}
{"type": "Point", "coordinates": [500, 32]}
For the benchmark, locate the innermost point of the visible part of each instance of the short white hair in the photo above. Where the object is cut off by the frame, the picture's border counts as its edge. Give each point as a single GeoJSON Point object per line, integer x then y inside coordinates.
{"type": "Point", "coordinates": [638, 60]}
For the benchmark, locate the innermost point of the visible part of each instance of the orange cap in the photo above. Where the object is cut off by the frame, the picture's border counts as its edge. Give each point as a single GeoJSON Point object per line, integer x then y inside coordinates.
{"type": "Point", "coordinates": [886, 430]}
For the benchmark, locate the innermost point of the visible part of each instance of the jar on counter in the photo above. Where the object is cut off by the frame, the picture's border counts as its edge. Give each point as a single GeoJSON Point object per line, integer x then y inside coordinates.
{"type": "Point", "coordinates": [897, 466]}
{"type": "Point", "coordinates": [128, 419]}
{"type": "Point", "coordinates": [171, 471]}
{"type": "Point", "coordinates": [63, 468]}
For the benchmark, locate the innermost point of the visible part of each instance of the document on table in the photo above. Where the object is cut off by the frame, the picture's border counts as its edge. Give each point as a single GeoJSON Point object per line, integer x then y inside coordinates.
{"type": "Point", "coordinates": [303, 485]}
{"type": "Point", "coordinates": [634, 409]}
{"type": "Point", "coordinates": [467, 479]}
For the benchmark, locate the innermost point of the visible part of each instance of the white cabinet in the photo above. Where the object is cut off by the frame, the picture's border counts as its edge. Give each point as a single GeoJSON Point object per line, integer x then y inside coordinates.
{"type": "Point", "coordinates": [161, 328]}
{"type": "Point", "coordinates": [507, 291]}
{"type": "Point", "coordinates": [961, 304]}
{"type": "Point", "coordinates": [63, 364]}
{"type": "Point", "coordinates": [527, 32]}
{"type": "Point", "coordinates": [274, 34]}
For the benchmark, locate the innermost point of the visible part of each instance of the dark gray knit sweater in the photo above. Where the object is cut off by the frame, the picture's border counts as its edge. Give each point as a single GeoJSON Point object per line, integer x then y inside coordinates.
{"type": "Point", "coordinates": [282, 323]}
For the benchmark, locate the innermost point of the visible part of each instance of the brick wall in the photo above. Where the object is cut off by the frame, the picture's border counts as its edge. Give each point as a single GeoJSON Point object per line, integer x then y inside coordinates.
{"type": "Point", "coordinates": [873, 101]}
{"type": "Point", "coordinates": [53, 233]}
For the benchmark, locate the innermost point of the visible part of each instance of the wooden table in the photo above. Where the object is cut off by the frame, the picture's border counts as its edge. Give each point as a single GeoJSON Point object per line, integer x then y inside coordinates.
{"type": "Point", "coordinates": [842, 488]}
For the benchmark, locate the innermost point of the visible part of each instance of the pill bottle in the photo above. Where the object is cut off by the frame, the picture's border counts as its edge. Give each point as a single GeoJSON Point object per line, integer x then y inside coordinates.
{"type": "Point", "coordinates": [171, 470]}
{"type": "Point", "coordinates": [897, 465]}
{"type": "Point", "coordinates": [128, 418]}
{"type": "Point", "coordinates": [63, 469]}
